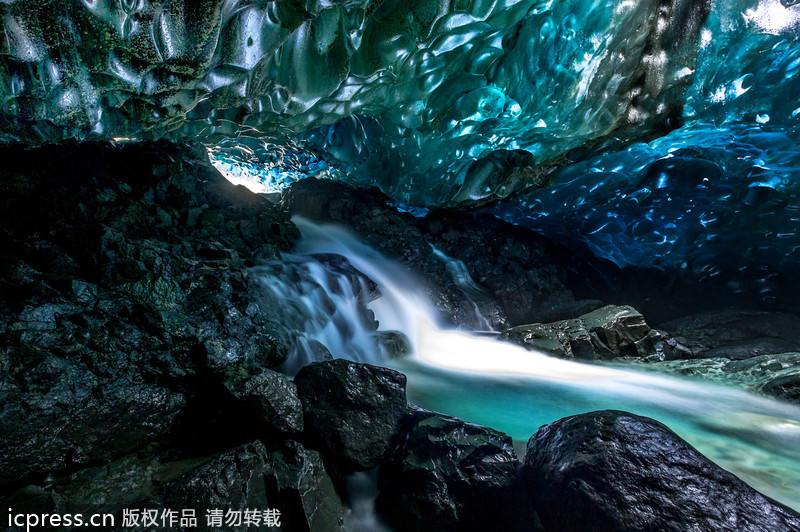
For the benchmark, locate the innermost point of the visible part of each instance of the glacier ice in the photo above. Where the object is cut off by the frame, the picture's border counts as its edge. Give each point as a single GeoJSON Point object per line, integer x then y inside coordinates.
{"type": "Point", "coordinates": [409, 95]}
{"type": "Point", "coordinates": [660, 133]}
{"type": "Point", "coordinates": [719, 196]}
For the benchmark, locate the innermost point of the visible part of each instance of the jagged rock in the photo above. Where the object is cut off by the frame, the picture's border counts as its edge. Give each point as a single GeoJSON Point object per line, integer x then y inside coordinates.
{"type": "Point", "coordinates": [31, 499]}
{"type": "Point", "coordinates": [271, 397]}
{"type": "Point", "coordinates": [114, 303]}
{"type": "Point", "coordinates": [448, 474]}
{"type": "Point", "coordinates": [352, 411]}
{"type": "Point", "coordinates": [604, 334]}
{"type": "Point", "coordinates": [55, 414]}
{"type": "Point", "coordinates": [749, 349]}
{"type": "Point", "coordinates": [612, 470]}
{"type": "Point", "coordinates": [291, 480]}
{"type": "Point", "coordinates": [177, 69]}
{"type": "Point", "coordinates": [133, 481]}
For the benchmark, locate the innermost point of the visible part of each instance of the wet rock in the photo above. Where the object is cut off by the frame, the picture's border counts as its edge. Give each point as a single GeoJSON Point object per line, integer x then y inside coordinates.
{"type": "Point", "coordinates": [786, 387]}
{"type": "Point", "coordinates": [234, 479]}
{"type": "Point", "coordinates": [291, 480]}
{"type": "Point", "coordinates": [750, 349]}
{"type": "Point", "coordinates": [352, 411]}
{"type": "Point", "coordinates": [394, 344]}
{"type": "Point", "coordinates": [318, 351]}
{"type": "Point", "coordinates": [115, 303]}
{"type": "Point", "coordinates": [448, 475]}
{"type": "Point", "coordinates": [133, 481]}
{"type": "Point", "coordinates": [55, 414]}
{"type": "Point", "coordinates": [270, 397]}
{"type": "Point", "coordinates": [303, 490]}
{"type": "Point", "coordinates": [738, 334]}
{"type": "Point", "coordinates": [773, 375]}
{"type": "Point", "coordinates": [602, 334]}
{"type": "Point", "coordinates": [612, 470]}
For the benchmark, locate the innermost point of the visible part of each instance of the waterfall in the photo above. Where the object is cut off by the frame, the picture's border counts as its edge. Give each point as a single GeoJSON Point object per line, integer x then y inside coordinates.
{"type": "Point", "coordinates": [329, 292]}
{"type": "Point", "coordinates": [336, 292]}
{"type": "Point", "coordinates": [463, 280]}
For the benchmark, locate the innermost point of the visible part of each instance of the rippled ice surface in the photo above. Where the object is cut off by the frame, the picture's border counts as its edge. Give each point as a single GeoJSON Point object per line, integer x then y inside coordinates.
{"type": "Point", "coordinates": [709, 200]}
{"type": "Point", "coordinates": [556, 91]}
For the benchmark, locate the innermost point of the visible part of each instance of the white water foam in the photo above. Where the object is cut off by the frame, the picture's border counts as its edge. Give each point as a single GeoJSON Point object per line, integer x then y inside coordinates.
{"type": "Point", "coordinates": [516, 390]}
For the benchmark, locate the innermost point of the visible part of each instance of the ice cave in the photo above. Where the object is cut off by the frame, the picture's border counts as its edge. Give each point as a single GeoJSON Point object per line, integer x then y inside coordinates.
{"type": "Point", "coordinates": [400, 265]}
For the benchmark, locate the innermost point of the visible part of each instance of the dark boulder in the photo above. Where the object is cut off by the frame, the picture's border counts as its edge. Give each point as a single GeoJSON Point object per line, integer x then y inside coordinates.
{"type": "Point", "coordinates": [448, 475]}
{"type": "Point", "coordinates": [269, 397]}
{"type": "Point", "coordinates": [291, 480]}
{"type": "Point", "coordinates": [612, 470]}
{"type": "Point", "coordinates": [393, 344]}
{"type": "Point", "coordinates": [352, 411]}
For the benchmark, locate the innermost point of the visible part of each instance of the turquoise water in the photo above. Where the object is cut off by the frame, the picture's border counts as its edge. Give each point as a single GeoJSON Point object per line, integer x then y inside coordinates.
{"type": "Point", "coordinates": [506, 387]}
{"type": "Point", "coordinates": [756, 438]}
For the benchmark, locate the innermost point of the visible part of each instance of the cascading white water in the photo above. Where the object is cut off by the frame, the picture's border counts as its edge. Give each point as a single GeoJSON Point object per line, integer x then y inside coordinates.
{"type": "Point", "coordinates": [323, 303]}
{"type": "Point", "coordinates": [322, 306]}
{"type": "Point", "coordinates": [463, 280]}
{"type": "Point", "coordinates": [507, 387]}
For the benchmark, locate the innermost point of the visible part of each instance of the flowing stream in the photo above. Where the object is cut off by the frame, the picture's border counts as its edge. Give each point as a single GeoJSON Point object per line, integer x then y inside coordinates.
{"type": "Point", "coordinates": [506, 387]}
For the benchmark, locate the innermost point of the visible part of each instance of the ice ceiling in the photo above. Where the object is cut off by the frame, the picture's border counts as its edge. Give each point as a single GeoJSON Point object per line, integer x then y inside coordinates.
{"type": "Point", "coordinates": [659, 132]}
{"type": "Point", "coordinates": [390, 91]}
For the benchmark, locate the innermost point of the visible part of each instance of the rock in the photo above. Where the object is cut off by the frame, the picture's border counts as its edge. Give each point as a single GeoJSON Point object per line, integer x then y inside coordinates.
{"type": "Point", "coordinates": [612, 470]}
{"type": "Point", "coordinates": [603, 334]}
{"type": "Point", "coordinates": [55, 414]}
{"type": "Point", "coordinates": [773, 375]}
{"type": "Point", "coordinates": [318, 351]}
{"type": "Point", "coordinates": [271, 397]}
{"type": "Point", "coordinates": [448, 475]}
{"type": "Point", "coordinates": [352, 411]}
{"type": "Point", "coordinates": [115, 303]}
{"type": "Point", "coordinates": [393, 344]}
{"type": "Point", "coordinates": [738, 334]}
{"type": "Point", "coordinates": [303, 490]}
{"type": "Point", "coordinates": [786, 387]}
{"type": "Point", "coordinates": [291, 480]}
{"type": "Point", "coordinates": [31, 499]}
{"type": "Point", "coordinates": [234, 479]}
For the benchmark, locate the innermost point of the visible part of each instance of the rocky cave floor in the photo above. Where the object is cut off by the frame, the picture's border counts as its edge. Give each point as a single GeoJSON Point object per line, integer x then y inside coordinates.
{"type": "Point", "coordinates": [139, 368]}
